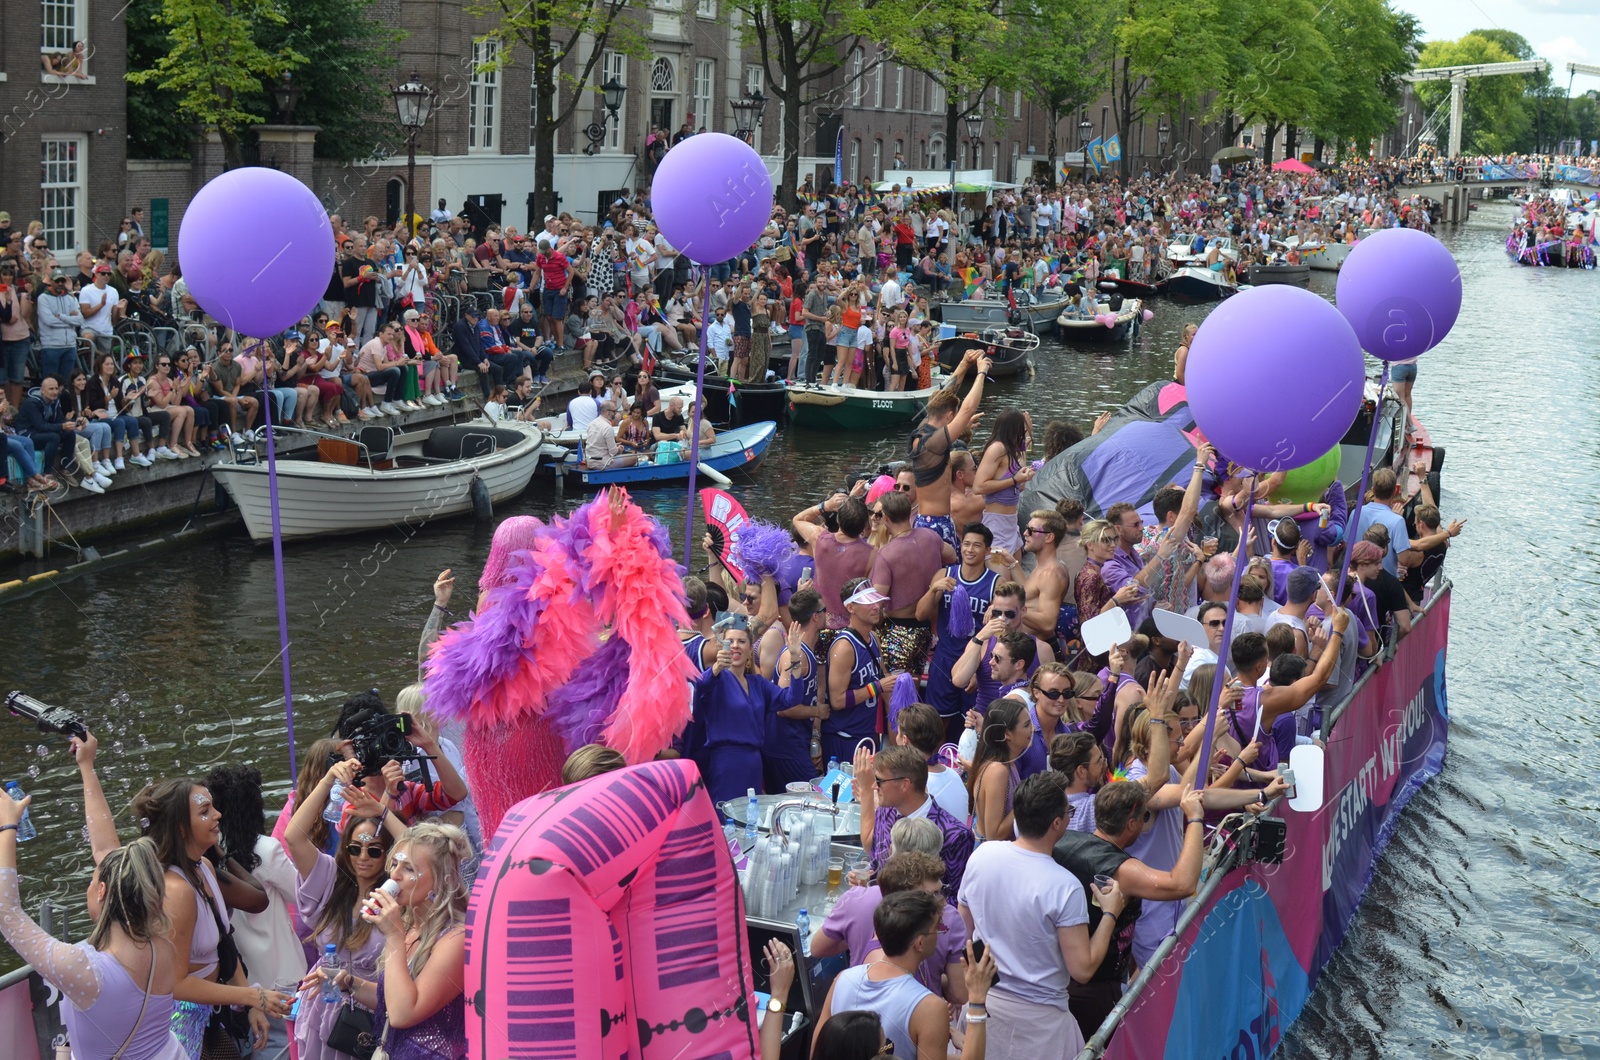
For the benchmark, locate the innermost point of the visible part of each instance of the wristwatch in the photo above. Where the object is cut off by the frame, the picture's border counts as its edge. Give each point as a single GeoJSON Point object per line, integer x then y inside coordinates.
{"type": "Point", "coordinates": [774, 1005]}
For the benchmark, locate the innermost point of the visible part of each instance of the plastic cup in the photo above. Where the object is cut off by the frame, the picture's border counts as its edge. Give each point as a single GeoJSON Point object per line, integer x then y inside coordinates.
{"type": "Point", "coordinates": [799, 787]}
{"type": "Point", "coordinates": [835, 871]}
{"type": "Point", "coordinates": [1100, 883]}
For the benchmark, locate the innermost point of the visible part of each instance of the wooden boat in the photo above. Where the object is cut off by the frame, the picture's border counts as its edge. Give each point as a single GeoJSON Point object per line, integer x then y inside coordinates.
{"type": "Point", "coordinates": [1260, 273]}
{"type": "Point", "coordinates": [751, 403]}
{"type": "Point", "coordinates": [1321, 256]}
{"type": "Point", "coordinates": [1137, 288]}
{"type": "Point", "coordinates": [1125, 316]}
{"type": "Point", "coordinates": [1198, 284]}
{"type": "Point", "coordinates": [381, 478]}
{"type": "Point", "coordinates": [978, 313]}
{"type": "Point", "coordinates": [740, 449]}
{"type": "Point", "coordinates": [1013, 350]}
{"type": "Point", "coordinates": [835, 408]}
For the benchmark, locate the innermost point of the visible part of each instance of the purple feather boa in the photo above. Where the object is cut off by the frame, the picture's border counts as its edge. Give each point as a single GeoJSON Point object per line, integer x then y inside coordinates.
{"type": "Point", "coordinates": [487, 648]}
{"type": "Point", "coordinates": [761, 549]}
{"type": "Point", "coordinates": [959, 624]}
{"type": "Point", "coordinates": [905, 694]}
{"type": "Point", "coordinates": [581, 709]}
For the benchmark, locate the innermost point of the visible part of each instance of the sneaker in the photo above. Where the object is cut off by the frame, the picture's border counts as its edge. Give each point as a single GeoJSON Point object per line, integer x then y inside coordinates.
{"type": "Point", "coordinates": [103, 480]}
{"type": "Point", "coordinates": [455, 393]}
{"type": "Point", "coordinates": [366, 414]}
{"type": "Point", "coordinates": [104, 467]}
{"type": "Point", "coordinates": [434, 399]}
{"type": "Point", "coordinates": [141, 460]}
{"type": "Point", "coordinates": [163, 453]}
{"type": "Point", "coordinates": [119, 465]}
{"type": "Point", "coordinates": [92, 485]}
{"type": "Point", "coordinates": [389, 408]}
{"type": "Point", "coordinates": [181, 453]}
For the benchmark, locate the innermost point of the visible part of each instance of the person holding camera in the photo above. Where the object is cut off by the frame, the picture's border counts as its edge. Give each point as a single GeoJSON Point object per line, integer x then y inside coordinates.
{"type": "Point", "coordinates": [379, 741]}
{"type": "Point", "coordinates": [118, 983]}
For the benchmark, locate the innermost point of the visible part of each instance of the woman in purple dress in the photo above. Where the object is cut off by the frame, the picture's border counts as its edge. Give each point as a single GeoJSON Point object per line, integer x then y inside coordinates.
{"type": "Point", "coordinates": [418, 992]}
{"type": "Point", "coordinates": [118, 982]}
{"type": "Point", "coordinates": [329, 897]}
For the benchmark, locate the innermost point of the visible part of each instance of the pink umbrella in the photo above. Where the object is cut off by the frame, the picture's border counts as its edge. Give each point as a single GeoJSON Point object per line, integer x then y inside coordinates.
{"type": "Point", "coordinates": [1293, 165]}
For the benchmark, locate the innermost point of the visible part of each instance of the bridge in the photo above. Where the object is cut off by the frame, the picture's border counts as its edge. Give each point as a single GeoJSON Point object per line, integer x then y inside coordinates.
{"type": "Point", "coordinates": [1455, 183]}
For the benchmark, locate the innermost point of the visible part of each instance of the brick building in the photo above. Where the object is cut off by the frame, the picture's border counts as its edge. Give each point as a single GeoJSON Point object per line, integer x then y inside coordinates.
{"type": "Point", "coordinates": [63, 135]}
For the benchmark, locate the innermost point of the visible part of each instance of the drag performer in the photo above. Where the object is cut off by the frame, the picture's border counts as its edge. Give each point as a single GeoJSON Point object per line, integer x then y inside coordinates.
{"type": "Point", "coordinates": [575, 641]}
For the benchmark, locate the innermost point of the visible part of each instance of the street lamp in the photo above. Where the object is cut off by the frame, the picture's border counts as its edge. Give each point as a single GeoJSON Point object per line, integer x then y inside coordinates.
{"type": "Point", "coordinates": [611, 93]}
{"type": "Point", "coordinates": [413, 104]}
{"type": "Point", "coordinates": [286, 94]}
{"type": "Point", "coordinates": [1085, 132]}
{"type": "Point", "coordinates": [747, 115]}
{"type": "Point", "coordinates": [974, 123]}
{"type": "Point", "coordinates": [1163, 137]}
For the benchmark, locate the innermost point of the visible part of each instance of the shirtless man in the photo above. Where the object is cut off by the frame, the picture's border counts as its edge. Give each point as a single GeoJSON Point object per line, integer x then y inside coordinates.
{"type": "Point", "coordinates": [1051, 613]}
{"type": "Point", "coordinates": [902, 568]}
{"type": "Point", "coordinates": [948, 417]}
{"type": "Point", "coordinates": [966, 504]}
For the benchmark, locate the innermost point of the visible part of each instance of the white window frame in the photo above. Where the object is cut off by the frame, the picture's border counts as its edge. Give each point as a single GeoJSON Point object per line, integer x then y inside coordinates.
{"type": "Point", "coordinates": [877, 84]}
{"type": "Point", "coordinates": [614, 64]}
{"type": "Point", "coordinates": [63, 192]}
{"type": "Point", "coordinates": [936, 102]}
{"type": "Point", "coordinates": [58, 35]}
{"type": "Point", "coordinates": [483, 99]}
{"type": "Point", "coordinates": [936, 153]}
{"type": "Point", "coordinates": [876, 173]}
{"type": "Point", "coordinates": [899, 86]}
{"type": "Point", "coordinates": [755, 80]}
{"type": "Point", "coordinates": [856, 61]}
{"type": "Point", "coordinates": [705, 91]}
{"type": "Point", "coordinates": [1016, 104]}
{"type": "Point", "coordinates": [899, 149]}
{"type": "Point", "coordinates": [706, 8]}
{"type": "Point", "coordinates": [853, 163]}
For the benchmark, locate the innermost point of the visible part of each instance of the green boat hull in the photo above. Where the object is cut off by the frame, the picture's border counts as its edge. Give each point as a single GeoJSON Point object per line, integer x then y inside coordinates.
{"type": "Point", "coordinates": [856, 413]}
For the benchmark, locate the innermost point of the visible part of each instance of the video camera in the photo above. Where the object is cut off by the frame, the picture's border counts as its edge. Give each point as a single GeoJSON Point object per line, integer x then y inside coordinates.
{"type": "Point", "coordinates": [376, 737]}
{"type": "Point", "coordinates": [48, 718]}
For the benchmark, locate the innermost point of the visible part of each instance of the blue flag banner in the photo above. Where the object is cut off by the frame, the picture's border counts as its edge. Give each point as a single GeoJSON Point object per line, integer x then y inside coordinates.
{"type": "Point", "coordinates": [1097, 154]}
{"type": "Point", "coordinates": [838, 157]}
{"type": "Point", "coordinates": [1113, 149]}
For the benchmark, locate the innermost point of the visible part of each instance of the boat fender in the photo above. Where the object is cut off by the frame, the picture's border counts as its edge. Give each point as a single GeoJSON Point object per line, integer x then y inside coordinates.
{"type": "Point", "coordinates": [482, 507]}
{"type": "Point", "coordinates": [714, 475]}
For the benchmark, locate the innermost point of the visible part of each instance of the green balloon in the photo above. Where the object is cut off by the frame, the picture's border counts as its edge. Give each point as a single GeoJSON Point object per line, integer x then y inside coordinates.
{"type": "Point", "coordinates": [1306, 484]}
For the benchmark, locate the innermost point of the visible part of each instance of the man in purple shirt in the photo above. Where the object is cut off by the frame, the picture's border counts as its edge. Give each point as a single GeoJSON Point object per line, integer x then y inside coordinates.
{"type": "Point", "coordinates": [900, 789]}
{"type": "Point", "coordinates": [1124, 567]}
{"type": "Point", "coordinates": [902, 569]}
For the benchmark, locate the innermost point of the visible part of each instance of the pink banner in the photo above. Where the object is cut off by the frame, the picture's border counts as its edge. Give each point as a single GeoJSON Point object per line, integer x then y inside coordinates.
{"type": "Point", "coordinates": [1241, 973]}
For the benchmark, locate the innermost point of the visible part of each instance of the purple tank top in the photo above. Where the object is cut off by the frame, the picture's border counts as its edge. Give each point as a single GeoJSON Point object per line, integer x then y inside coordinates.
{"type": "Point", "coordinates": [1008, 496]}
{"type": "Point", "coordinates": [442, 1036]}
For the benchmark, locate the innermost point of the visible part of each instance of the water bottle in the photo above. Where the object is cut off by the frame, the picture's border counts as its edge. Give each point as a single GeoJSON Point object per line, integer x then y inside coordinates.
{"type": "Point", "coordinates": [802, 925]}
{"type": "Point", "coordinates": [967, 748]}
{"type": "Point", "coordinates": [25, 828]}
{"type": "Point", "coordinates": [752, 817]}
{"type": "Point", "coordinates": [833, 766]}
{"type": "Point", "coordinates": [330, 969]}
{"type": "Point", "coordinates": [335, 808]}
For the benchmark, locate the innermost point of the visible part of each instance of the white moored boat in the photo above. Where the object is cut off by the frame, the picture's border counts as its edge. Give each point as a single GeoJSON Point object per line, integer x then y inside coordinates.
{"type": "Point", "coordinates": [1321, 256]}
{"type": "Point", "coordinates": [381, 478]}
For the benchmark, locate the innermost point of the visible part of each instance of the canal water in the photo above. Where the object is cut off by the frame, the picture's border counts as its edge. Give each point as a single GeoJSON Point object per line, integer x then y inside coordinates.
{"type": "Point", "coordinates": [1478, 935]}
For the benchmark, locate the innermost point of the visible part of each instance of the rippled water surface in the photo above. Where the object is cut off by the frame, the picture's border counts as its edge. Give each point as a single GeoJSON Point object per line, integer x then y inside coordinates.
{"type": "Point", "coordinates": [1479, 933]}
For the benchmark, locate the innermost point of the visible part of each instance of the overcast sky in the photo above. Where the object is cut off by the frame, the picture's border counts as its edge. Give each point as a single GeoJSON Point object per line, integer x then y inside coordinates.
{"type": "Point", "coordinates": [1561, 31]}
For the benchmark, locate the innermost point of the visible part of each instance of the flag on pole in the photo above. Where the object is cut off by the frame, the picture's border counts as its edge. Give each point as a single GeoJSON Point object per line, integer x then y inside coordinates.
{"type": "Point", "coordinates": [1095, 154]}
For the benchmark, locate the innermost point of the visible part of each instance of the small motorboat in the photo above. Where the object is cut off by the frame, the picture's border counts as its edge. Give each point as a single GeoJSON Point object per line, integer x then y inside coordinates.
{"type": "Point", "coordinates": [1321, 256]}
{"type": "Point", "coordinates": [1136, 288]}
{"type": "Point", "coordinates": [1197, 284]}
{"type": "Point", "coordinates": [1116, 320]}
{"type": "Point", "coordinates": [1180, 255]}
{"type": "Point", "coordinates": [1013, 349]}
{"type": "Point", "coordinates": [837, 408]}
{"type": "Point", "coordinates": [1278, 272]}
{"type": "Point", "coordinates": [740, 449]}
{"type": "Point", "coordinates": [729, 401]}
{"type": "Point", "coordinates": [380, 478]}
{"type": "Point", "coordinates": [1040, 310]}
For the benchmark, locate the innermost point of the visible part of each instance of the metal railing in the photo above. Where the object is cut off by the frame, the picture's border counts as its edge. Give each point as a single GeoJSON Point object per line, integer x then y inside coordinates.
{"type": "Point", "coordinates": [1196, 908]}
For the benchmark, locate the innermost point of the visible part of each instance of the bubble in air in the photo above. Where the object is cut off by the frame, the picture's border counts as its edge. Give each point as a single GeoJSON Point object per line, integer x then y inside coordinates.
{"type": "Point", "coordinates": [144, 824]}
{"type": "Point", "coordinates": [33, 771]}
{"type": "Point", "coordinates": [42, 750]}
{"type": "Point", "coordinates": [178, 709]}
{"type": "Point", "coordinates": [116, 748]}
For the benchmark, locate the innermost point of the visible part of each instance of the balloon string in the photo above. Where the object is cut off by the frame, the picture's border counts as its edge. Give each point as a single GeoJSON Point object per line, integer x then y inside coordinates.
{"type": "Point", "coordinates": [1352, 525]}
{"type": "Point", "coordinates": [694, 420]}
{"type": "Point", "coordinates": [277, 571]}
{"type": "Point", "coordinates": [1227, 638]}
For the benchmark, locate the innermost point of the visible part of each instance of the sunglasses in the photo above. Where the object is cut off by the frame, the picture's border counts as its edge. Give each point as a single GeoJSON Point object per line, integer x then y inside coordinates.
{"type": "Point", "coordinates": [1057, 693]}
{"type": "Point", "coordinates": [373, 850]}
{"type": "Point", "coordinates": [877, 515]}
{"type": "Point", "coordinates": [999, 613]}
{"type": "Point", "coordinates": [1216, 623]}
{"type": "Point", "coordinates": [900, 487]}
{"type": "Point", "coordinates": [879, 782]}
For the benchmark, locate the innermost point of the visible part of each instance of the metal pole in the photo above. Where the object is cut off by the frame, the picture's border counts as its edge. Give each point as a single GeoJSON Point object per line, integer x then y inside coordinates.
{"type": "Point", "coordinates": [694, 421]}
{"type": "Point", "coordinates": [1458, 99]}
{"type": "Point", "coordinates": [277, 571]}
{"type": "Point", "coordinates": [411, 179]}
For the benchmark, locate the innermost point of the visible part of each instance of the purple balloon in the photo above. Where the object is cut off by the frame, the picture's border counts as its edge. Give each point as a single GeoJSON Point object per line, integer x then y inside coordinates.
{"type": "Point", "coordinates": [266, 282]}
{"type": "Point", "coordinates": [1401, 291]}
{"type": "Point", "coordinates": [1274, 378]}
{"type": "Point", "coordinates": [712, 197]}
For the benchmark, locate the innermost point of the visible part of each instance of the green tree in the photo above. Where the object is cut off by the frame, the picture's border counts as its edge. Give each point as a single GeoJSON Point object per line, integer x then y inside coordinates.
{"type": "Point", "coordinates": [155, 128]}
{"type": "Point", "coordinates": [214, 63]}
{"type": "Point", "coordinates": [802, 44]}
{"type": "Point", "coordinates": [1277, 57]}
{"type": "Point", "coordinates": [552, 31]}
{"type": "Point", "coordinates": [1372, 46]}
{"type": "Point", "coordinates": [1167, 52]}
{"type": "Point", "coordinates": [1068, 65]}
{"type": "Point", "coordinates": [344, 82]}
{"type": "Point", "coordinates": [1496, 116]}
